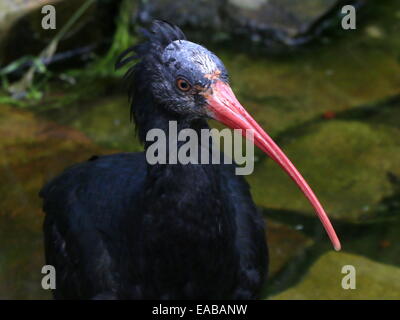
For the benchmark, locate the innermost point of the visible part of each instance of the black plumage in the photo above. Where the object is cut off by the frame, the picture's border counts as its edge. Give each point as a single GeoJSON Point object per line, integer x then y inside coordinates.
{"type": "Point", "coordinates": [117, 227]}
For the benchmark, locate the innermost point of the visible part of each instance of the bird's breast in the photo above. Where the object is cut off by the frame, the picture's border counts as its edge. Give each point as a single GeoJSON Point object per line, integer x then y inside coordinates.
{"type": "Point", "coordinates": [189, 233]}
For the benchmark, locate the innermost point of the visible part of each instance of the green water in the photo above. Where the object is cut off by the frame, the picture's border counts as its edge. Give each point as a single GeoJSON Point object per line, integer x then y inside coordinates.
{"type": "Point", "coordinates": [334, 108]}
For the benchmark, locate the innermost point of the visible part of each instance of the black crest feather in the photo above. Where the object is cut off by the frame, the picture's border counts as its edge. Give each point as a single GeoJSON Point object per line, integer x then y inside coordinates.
{"type": "Point", "coordinates": [148, 54]}
{"type": "Point", "coordinates": [160, 35]}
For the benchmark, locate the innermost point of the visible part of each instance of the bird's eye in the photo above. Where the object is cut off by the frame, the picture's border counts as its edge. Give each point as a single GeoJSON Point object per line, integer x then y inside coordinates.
{"type": "Point", "coordinates": [183, 85]}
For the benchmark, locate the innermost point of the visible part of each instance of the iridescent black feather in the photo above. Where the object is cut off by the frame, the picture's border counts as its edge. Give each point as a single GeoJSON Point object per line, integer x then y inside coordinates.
{"type": "Point", "coordinates": [160, 35]}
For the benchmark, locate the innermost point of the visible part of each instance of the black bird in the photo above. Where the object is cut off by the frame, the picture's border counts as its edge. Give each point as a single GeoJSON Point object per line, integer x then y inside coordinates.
{"type": "Point", "coordinates": [118, 227]}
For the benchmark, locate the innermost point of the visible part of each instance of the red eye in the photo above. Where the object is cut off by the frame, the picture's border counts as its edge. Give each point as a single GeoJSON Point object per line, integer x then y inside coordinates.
{"type": "Point", "coordinates": [183, 85]}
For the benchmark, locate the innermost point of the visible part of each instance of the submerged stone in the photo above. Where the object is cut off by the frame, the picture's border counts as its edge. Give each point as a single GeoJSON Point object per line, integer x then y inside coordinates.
{"type": "Point", "coordinates": [106, 121]}
{"type": "Point", "coordinates": [32, 152]}
{"type": "Point", "coordinates": [353, 168]}
{"type": "Point", "coordinates": [324, 279]}
{"type": "Point", "coordinates": [284, 244]}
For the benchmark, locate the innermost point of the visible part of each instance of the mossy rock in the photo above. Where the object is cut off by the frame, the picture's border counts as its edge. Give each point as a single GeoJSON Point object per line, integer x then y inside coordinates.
{"type": "Point", "coordinates": [283, 93]}
{"type": "Point", "coordinates": [351, 166]}
{"type": "Point", "coordinates": [338, 74]}
{"type": "Point", "coordinates": [25, 137]}
{"type": "Point", "coordinates": [33, 151]}
{"type": "Point", "coordinates": [105, 121]}
{"type": "Point", "coordinates": [324, 280]}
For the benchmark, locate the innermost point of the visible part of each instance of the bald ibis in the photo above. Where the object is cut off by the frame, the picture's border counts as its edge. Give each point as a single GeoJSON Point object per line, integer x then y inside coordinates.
{"type": "Point", "coordinates": [117, 227]}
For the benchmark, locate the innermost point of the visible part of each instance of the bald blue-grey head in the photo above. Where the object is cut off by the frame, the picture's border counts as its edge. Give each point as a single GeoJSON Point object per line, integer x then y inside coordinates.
{"type": "Point", "coordinates": [176, 73]}
{"type": "Point", "coordinates": [183, 75]}
{"type": "Point", "coordinates": [199, 65]}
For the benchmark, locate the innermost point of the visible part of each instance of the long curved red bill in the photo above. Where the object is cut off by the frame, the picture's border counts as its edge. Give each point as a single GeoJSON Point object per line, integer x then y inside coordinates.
{"type": "Point", "coordinates": [226, 109]}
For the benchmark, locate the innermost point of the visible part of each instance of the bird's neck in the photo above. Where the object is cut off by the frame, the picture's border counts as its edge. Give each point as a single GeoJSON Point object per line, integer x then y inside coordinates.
{"type": "Point", "coordinates": [175, 140]}
{"type": "Point", "coordinates": [171, 125]}
{"type": "Point", "coordinates": [173, 175]}
{"type": "Point", "coordinates": [185, 199]}
{"type": "Point", "coordinates": [155, 122]}
{"type": "Point", "coordinates": [148, 115]}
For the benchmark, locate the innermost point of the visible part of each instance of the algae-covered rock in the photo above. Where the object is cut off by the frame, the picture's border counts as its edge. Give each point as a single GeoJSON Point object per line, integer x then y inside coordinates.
{"type": "Point", "coordinates": [24, 137]}
{"type": "Point", "coordinates": [106, 121]}
{"type": "Point", "coordinates": [349, 165]}
{"type": "Point", "coordinates": [340, 74]}
{"type": "Point", "coordinates": [284, 93]}
{"type": "Point", "coordinates": [32, 152]}
{"type": "Point", "coordinates": [324, 280]}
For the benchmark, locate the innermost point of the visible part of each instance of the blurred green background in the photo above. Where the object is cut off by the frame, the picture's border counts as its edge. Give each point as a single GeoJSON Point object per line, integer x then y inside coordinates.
{"type": "Point", "coordinates": [329, 97]}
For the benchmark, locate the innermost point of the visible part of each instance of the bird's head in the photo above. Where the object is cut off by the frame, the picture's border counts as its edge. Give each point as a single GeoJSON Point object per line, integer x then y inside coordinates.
{"type": "Point", "coordinates": [179, 75]}
{"type": "Point", "coordinates": [185, 80]}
